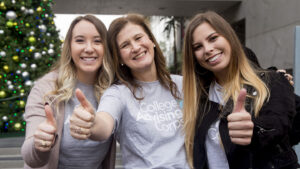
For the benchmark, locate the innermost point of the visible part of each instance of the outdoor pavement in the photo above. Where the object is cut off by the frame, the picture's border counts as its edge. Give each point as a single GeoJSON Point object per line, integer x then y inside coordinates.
{"type": "Point", "coordinates": [10, 154]}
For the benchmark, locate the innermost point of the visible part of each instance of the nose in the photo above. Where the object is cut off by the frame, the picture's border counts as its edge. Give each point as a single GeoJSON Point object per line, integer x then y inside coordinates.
{"type": "Point", "coordinates": [135, 47]}
{"type": "Point", "coordinates": [208, 48]}
{"type": "Point", "coordinates": [89, 48]}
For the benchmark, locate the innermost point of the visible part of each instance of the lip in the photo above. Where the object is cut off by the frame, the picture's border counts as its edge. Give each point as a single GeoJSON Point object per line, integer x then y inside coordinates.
{"type": "Point", "coordinates": [88, 59]}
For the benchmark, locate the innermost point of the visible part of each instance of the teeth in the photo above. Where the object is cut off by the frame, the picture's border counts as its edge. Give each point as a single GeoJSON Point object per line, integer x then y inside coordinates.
{"type": "Point", "coordinates": [88, 59]}
{"type": "Point", "coordinates": [140, 55]}
{"type": "Point", "coordinates": [214, 58]}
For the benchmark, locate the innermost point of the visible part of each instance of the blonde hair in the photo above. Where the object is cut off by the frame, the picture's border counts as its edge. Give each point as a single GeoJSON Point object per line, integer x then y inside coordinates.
{"type": "Point", "coordinates": [196, 78]}
{"type": "Point", "coordinates": [123, 73]}
{"type": "Point", "coordinates": [66, 69]}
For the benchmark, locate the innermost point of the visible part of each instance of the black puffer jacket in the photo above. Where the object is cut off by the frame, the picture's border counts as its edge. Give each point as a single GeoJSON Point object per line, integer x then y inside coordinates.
{"type": "Point", "coordinates": [270, 146]}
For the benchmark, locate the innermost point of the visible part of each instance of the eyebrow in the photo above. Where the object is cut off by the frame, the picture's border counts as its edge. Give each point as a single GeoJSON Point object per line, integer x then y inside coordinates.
{"type": "Point", "coordinates": [81, 36]}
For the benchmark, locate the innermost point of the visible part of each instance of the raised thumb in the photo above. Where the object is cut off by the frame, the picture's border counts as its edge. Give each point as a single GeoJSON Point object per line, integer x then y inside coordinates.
{"type": "Point", "coordinates": [240, 103]}
{"type": "Point", "coordinates": [49, 115]}
{"type": "Point", "coordinates": [83, 101]}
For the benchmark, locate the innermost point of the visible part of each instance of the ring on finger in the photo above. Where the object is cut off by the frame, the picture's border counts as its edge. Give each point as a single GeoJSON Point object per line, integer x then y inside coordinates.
{"type": "Point", "coordinates": [44, 143]}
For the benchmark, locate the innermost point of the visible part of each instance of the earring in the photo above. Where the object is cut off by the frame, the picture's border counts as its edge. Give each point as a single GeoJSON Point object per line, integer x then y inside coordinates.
{"type": "Point", "coordinates": [154, 46]}
{"type": "Point", "coordinates": [122, 64]}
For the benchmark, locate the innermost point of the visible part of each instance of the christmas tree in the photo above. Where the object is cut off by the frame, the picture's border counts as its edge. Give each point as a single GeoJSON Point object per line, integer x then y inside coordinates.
{"type": "Point", "coordinates": [29, 45]}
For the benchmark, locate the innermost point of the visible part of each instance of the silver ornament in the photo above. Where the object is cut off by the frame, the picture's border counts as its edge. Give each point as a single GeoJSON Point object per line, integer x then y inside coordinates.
{"type": "Point", "coordinates": [21, 94]}
{"type": "Point", "coordinates": [13, 1]}
{"type": "Point", "coordinates": [18, 72]}
{"type": "Point", "coordinates": [28, 83]}
{"type": "Point", "coordinates": [3, 53]}
{"type": "Point", "coordinates": [48, 34]}
{"type": "Point", "coordinates": [11, 15]}
{"type": "Point", "coordinates": [31, 33]}
{"type": "Point", "coordinates": [51, 46]}
{"type": "Point", "coordinates": [23, 65]}
{"type": "Point", "coordinates": [44, 52]}
{"type": "Point", "coordinates": [46, 15]}
{"type": "Point", "coordinates": [37, 55]}
{"type": "Point", "coordinates": [23, 8]}
{"type": "Point", "coordinates": [25, 74]}
{"type": "Point", "coordinates": [8, 82]}
{"type": "Point", "coordinates": [51, 52]}
{"type": "Point", "coordinates": [4, 118]}
{"type": "Point", "coordinates": [10, 87]}
{"type": "Point", "coordinates": [33, 66]}
{"type": "Point", "coordinates": [1, 32]}
{"type": "Point", "coordinates": [32, 47]}
{"type": "Point", "coordinates": [42, 28]}
{"type": "Point", "coordinates": [30, 11]}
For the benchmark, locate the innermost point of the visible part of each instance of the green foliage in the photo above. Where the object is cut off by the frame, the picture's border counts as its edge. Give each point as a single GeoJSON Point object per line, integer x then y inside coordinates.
{"type": "Point", "coordinates": [29, 46]}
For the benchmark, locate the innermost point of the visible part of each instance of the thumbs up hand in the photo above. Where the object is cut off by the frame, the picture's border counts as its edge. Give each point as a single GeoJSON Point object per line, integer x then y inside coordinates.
{"type": "Point", "coordinates": [240, 124]}
{"type": "Point", "coordinates": [44, 136]}
{"type": "Point", "coordinates": [82, 119]}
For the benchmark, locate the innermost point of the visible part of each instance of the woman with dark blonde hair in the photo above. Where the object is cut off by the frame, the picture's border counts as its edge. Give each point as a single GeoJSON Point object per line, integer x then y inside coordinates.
{"type": "Point", "coordinates": [143, 108]}
{"type": "Point", "coordinates": [234, 115]}
{"type": "Point", "coordinates": [85, 63]}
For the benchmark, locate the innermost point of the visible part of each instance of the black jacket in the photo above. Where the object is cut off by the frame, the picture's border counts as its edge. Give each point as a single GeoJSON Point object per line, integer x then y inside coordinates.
{"type": "Point", "coordinates": [270, 147]}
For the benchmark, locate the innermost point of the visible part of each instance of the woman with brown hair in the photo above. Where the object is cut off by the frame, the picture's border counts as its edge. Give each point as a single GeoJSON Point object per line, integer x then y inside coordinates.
{"type": "Point", "coordinates": [143, 107]}
{"type": "Point", "coordinates": [85, 63]}
{"type": "Point", "coordinates": [232, 112]}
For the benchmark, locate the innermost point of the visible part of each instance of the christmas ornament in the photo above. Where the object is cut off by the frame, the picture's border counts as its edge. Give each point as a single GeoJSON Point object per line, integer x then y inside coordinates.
{"type": "Point", "coordinates": [3, 53]}
{"type": "Point", "coordinates": [9, 24]}
{"type": "Point", "coordinates": [39, 9]}
{"type": "Point", "coordinates": [8, 82]}
{"type": "Point", "coordinates": [51, 52]}
{"type": "Point", "coordinates": [11, 15]}
{"type": "Point", "coordinates": [15, 58]}
{"type": "Point", "coordinates": [13, 1]}
{"type": "Point", "coordinates": [32, 47]}
{"type": "Point", "coordinates": [23, 8]}
{"type": "Point", "coordinates": [17, 126]}
{"type": "Point", "coordinates": [31, 33]}
{"type": "Point", "coordinates": [37, 55]}
{"type": "Point", "coordinates": [44, 52]}
{"type": "Point", "coordinates": [4, 118]}
{"type": "Point", "coordinates": [2, 94]}
{"type": "Point", "coordinates": [42, 28]}
{"type": "Point", "coordinates": [1, 31]}
{"type": "Point", "coordinates": [23, 65]}
{"type": "Point", "coordinates": [6, 68]}
{"type": "Point", "coordinates": [27, 25]}
{"type": "Point", "coordinates": [28, 83]}
{"type": "Point", "coordinates": [48, 34]}
{"type": "Point", "coordinates": [10, 87]}
{"type": "Point", "coordinates": [51, 46]}
{"type": "Point", "coordinates": [18, 72]}
{"type": "Point", "coordinates": [2, 6]}
{"type": "Point", "coordinates": [25, 74]}
{"type": "Point", "coordinates": [33, 66]}
{"type": "Point", "coordinates": [31, 39]}
{"type": "Point", "coordinates": [30, 11]}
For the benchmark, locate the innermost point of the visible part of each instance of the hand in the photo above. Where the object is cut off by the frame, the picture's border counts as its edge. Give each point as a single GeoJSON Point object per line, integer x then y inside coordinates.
{"type": "Point", "coordinates": [82, 119]}
{"type": "Point", "coordinates": [240, 124]}
{"type": "Point", "coordinates": [288, 76]}
{"type": "Point", "coordinates": [44, 136]}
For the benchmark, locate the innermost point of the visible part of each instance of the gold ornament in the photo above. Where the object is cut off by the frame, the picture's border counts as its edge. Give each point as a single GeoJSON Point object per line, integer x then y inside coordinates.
{"type": "Point", "coordinates": [2, 94]}
{"type": "Point", "coordinates": [2, 6]}
{"type": "Point", "coordinates": [0, 76]}
{"type": "Point", "coordinates": [27, 24]}
{"type": "Point", "coordinates": [15, 23]}
{"type": "Point", "coordinates": [17, 126]}
{"type": "Point", "coordinates": [22, 104]}
{"type": "Point", "coordinates": [6, 68]}
{"type": "Point", "coordinates": [31, 39]}
{"type": "Point", "coordinates": [9, 24]}
{"type": "Point", "coordinates": [22, 90]}
{"type": "Point", "coordinates": [39, 9]}
{"type": "Point", "coordinates": [15, 58]}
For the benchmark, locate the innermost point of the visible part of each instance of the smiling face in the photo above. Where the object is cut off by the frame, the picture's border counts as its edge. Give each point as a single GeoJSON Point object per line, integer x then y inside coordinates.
{"type": "Point", "coordinates": [87, 50]}
{"type": "Point", "coordinates": [136, 49]}
{"type": "Point", "coordinates": [212, 50]}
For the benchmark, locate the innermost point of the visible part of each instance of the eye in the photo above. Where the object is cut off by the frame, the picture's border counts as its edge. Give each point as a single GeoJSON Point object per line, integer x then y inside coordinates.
{"type": "Point", "coordinates": [79, 40]}
{"type": "Point", "coordinates": [138, 37]}
{"type": "Point", "coordinates": [124, 45]}
{"type": "Point", "coordinates": [98, 40]}
{"type": "Point", "coordinates": [213, 38]}
{"type": "Point", "coordinates": [197, 47]}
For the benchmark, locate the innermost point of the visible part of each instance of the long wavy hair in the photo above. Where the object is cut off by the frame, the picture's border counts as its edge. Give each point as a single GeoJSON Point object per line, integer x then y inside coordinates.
{"type": "Point", "coordinates": [196, 78]}
{"type": "Point", "coordinates": [123, 73]}
{"type": "Point", "coordinates": [66, 69]}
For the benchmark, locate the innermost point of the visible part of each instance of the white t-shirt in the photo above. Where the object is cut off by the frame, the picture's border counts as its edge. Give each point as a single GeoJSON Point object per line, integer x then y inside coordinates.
{"type": "Point", "coordinates": [150, 130]}
{"type": "Point", "coordinates": [216, 156]}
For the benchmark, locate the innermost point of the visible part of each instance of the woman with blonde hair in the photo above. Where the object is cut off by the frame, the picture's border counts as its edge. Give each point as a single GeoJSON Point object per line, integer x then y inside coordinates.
{"type": "Point", "coordinates": [85, 63]}
{"type": "Point", "coordinates": [143, 108]}
{"type": "Point", "coordinates": [234, 115]}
